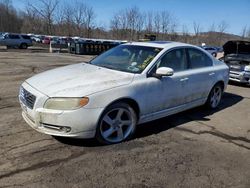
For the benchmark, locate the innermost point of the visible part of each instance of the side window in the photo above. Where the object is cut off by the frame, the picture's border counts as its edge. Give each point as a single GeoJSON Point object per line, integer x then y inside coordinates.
{"type": "Point", "coordinates": [14, 37]}
{"type": "Point", "coordinates": [198, 59]}
{"type": "Point", "coordinates": [175, 59]}
{"type": "Point", "coordinates": [26, 37]}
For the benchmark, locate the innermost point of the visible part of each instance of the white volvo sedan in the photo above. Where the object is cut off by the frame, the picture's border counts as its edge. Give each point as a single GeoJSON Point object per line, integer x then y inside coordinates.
{"type": "Point", "coordinates": [128, 85]}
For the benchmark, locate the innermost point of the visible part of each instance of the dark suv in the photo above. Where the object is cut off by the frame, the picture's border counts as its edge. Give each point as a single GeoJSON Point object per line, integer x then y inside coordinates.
{"type": "Point", "coordinates": [15, 40]}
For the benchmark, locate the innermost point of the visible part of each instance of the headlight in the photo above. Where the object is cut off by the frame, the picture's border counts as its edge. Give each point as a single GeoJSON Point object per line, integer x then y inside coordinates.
{"type": "Point", "coordinates": [66, 103]}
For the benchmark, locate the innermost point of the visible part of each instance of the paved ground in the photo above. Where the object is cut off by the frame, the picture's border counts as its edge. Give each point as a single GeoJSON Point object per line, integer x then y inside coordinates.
{"type": "Point", "coordinates": [196, 148]}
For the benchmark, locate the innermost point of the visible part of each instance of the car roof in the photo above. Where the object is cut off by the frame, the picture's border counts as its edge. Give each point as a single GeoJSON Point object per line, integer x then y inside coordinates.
{"type": "Point", "coordinates": [160, 44]}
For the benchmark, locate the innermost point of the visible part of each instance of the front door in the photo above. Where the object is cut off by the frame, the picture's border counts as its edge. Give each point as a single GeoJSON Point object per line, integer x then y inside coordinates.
{"type": "Point", "coordinates": [168, 91]}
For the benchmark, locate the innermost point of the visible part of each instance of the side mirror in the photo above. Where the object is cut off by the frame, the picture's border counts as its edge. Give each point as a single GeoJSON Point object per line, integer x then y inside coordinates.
{"type": "Point", "coordinates": [164, 71]}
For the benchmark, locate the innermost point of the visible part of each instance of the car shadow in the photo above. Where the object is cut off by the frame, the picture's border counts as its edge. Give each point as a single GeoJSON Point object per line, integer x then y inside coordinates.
{"type": "Point", "coordinates": [196, 114]}
{"type": "Point", "coordinates": [163, 124]}
{"type": "Point", "coordinates": [78, 142]}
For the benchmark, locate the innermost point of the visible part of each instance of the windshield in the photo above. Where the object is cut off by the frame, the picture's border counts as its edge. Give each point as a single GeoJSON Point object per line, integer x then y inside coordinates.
{"type": "Point", "coordinates": [127, 58]}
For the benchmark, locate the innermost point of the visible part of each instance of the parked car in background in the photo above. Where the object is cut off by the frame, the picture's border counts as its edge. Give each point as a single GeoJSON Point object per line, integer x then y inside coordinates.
{"type": "Point", "coordinates": [46, 40]}
{"type": "Point", "coordinates": [36, 39]}
{"type": "Point", "coordinates": [128, 85]}
{"type": "Point", "coordinates": [58, 40]}
{"type": "Point", "coordinates": [219, 49]}
{"type": "Point", "coordinates": [211, 50]}
{"type": "Point", "coordinates": [15, 40]}
{"type": "Point", "coordinates": [41, 37]}
{"type": "Point", "coordinates": [237, 57]}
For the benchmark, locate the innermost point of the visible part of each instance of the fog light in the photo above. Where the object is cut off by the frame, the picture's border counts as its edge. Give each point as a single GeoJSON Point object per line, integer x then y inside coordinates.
{"type": "Point", "coordinates": [57, 128]}
{"type": "Point", "coordinates": [65, 129]}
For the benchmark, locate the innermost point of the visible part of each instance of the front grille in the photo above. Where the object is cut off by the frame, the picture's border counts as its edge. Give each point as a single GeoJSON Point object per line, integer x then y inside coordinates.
{"type": "Point", "coordinates": [27, 98]}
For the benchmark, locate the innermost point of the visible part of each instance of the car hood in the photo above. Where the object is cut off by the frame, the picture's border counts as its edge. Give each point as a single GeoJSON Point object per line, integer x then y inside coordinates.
{"type": "Point", "coordinates": [236, 47]}
{"type": "Point", "coordinates": [78, 80]}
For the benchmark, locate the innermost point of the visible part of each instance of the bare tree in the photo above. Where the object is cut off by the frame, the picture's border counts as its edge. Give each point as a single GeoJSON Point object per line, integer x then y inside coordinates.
{"type": "Point", "coordinates": [244, 32]}
{"type": "Point", "coordinates": [185, 33]}
{"type": "Point", "coordinates": [197, 30]}
{"type": "Point", "coordinates": [127, 24]}
{"type": "Point", "coordinates": [223, 26]}
{"type": "Point", "coordinates": [46, 9]}
{"type": "Point", "coordinates": [140, 24]}
{"type": "Point", "coordinates": [115, 26]}
{"type": "Point", "coordinates": [133, 17]}
{"type": "Point", "coordinates": [31, 22]}
{"type": "Point", "coordinates": [210, 37]}
{"type": "Point", "coordinates": [119, 25]}
{"type": "Point", "coordinates": [131, 24]}
{"type": "Point", "coordinates": [79, 16]}
{"type": "Point", "coordinates": [212, 28]}
{"type": "Point", "coordinates": [149, 22]}
{"type": "Point", "coordinates": [165, 22]}
{"type": "Point", "coordinates": [65, 21]}
{"type": "Point", "coordinates": [89, 20]}
{"type": "Point", "coordinates": [9, 18]}
{"type": "Point", "coordinates": [157, 23]}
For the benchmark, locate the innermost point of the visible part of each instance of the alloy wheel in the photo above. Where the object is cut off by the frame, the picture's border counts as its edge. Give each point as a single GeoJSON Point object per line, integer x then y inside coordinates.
{"type": "Point", "coordinates": [117, 124]}
{"type": "Point", "coordinates": [215, 96]}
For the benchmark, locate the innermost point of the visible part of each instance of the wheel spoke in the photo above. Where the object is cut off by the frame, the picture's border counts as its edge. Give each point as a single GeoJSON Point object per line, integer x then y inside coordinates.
{"type": "Point", "coordinates": [217, 93]}
{"type": "Point", "coordinates": [213, 101]}
{"type": "Point", "coordinates": [108, 132]}
{"type": "Point", "coordinates": [108, 120]}
{"type": "Point", "coordinates": [120, 133]}
{"type": "Point", "coordinates": [126, 122]}
{"type": "Point", "coordinates": [119, 114]}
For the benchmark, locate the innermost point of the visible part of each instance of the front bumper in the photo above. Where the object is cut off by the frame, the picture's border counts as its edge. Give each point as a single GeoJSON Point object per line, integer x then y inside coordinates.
{"type": "Point", "coordinates": [242, 77]}
{"type": "Point", "coordinates": [80, 123]}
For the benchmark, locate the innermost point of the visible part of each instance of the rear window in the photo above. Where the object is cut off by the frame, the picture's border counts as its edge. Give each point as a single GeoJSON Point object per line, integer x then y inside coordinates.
{"type": "Point", "coordinates": [26, 37]}
{"type": "Point", "coordinates": [198, 59]}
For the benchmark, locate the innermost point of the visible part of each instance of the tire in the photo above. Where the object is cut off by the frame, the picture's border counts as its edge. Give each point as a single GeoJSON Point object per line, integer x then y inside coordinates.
{"type": "Point", "coordinates": [117, 124]}
{"type": "Point", "coordinates": [23, 46]}
{"type": "Point", "coordinates": [214, 97]}
{"type": "Point", "coordinates": [214, 54]}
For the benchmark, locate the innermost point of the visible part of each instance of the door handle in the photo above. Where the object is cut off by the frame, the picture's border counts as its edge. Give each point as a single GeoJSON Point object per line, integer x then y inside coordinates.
{"type": "Point", "coordinates": [184, 79]}
{"type": "Point", "coordinates": [211, 74]}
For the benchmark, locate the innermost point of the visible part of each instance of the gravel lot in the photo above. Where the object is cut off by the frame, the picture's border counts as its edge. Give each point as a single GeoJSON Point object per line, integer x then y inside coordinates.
{"type": "Point", "coordinates": [196, 148]}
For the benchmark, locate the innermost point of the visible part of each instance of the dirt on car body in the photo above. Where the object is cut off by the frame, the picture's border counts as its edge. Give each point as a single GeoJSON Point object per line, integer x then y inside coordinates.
{"type": "Point", "coordinates": [196, 148]}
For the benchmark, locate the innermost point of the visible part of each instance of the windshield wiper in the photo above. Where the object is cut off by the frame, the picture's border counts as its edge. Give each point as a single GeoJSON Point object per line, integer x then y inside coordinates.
{"type": "Point", "coordinates": [108, 67]}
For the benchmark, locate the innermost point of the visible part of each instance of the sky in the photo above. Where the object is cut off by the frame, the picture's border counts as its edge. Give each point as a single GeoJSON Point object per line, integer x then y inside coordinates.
{"type": "Point", "coordinates": [236, 13]}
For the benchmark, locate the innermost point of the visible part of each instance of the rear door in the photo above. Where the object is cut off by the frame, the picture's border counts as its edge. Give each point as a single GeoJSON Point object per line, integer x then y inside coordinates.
{"type": "Point", "coordinates": [201, 75]}
{"type": "Point", "coordinates": [26, 39]}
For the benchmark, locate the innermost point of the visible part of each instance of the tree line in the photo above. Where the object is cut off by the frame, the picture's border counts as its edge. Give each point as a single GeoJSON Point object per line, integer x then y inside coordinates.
{"type": "Point", "coordinates": [76, 18]}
